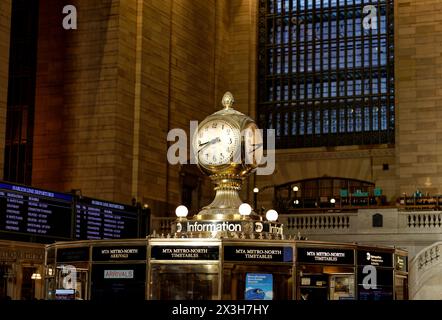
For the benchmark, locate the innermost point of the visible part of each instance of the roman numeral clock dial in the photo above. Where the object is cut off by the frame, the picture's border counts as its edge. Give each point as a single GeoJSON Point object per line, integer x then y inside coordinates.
{"type": "Point", "coordinates": [216, 142]}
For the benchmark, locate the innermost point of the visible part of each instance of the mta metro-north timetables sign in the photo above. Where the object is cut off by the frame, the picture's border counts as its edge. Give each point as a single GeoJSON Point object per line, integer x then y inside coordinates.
{"type": "Point", "coordinates": [36, 212]}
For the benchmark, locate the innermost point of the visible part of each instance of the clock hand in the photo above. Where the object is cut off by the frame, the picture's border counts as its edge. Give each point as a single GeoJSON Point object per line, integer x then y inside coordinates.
{"type": "Point", "coordinates": [207, 143]}
{"type": "Point", "coordinates": [258, 145]}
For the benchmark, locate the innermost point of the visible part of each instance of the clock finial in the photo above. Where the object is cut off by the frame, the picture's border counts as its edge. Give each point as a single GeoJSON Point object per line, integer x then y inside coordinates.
{"type": "Point", "coordinates": [228, 100]}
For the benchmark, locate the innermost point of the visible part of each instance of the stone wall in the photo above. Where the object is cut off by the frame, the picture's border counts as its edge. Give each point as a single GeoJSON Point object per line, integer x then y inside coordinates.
{"type": "Point", "coordinates": [109, 92]}
{"type": "Point", "coordinates": [5, 29]}
{"type": "Point", "coordinates": [419, 95]}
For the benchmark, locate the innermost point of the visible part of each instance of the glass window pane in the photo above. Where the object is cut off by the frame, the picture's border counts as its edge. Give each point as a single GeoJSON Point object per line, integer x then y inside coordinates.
{"type": "Point", "coordinates": [318, 50]}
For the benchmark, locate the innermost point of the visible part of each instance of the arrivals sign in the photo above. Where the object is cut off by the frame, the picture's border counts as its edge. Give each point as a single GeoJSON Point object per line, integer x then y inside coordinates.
{"type": "Point", "coordinates": [119, 253]}
{"type": "Point", "coordinates": [326, 256]}
{"type": "Point", "coordinates": [248, 253]}
{"type": "Point", "coordinates": [184, 253]}
{"type": "Point", "coordinates": [118, 274]}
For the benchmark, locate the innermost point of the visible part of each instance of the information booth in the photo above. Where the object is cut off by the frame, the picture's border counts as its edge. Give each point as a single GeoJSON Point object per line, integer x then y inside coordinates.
{"type": "Point", "coordinates": [400, 275]}
{"type": "Point", "coordinates": [257, 270]}
{"type": "Point", "coordinates": [375, 273]}
{"type": "Point", "coordinates": [21, 270]}
{"type": "Point", "coordinates": [226, 269]}
{"type": "Point", "coordinates": [96, 270]}
{"type": "Point", "coordinates": [184, 269]}
{"type": "Point", "coordinates": [325, 271]}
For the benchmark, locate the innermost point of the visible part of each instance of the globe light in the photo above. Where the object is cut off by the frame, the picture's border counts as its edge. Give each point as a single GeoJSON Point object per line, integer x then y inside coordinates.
{"type": "Point", "coordinates": [181, 211]}
{"type": "Point", "coordinates": [245, 209]}
{"type": "Point", "coordinates": [296, 202]}
{"type": "Point", "coordinates": [272, 215]}
{"type": "Point", "coordinates": [295, 188]}
{"type": "Point", "coordinates": [255, 190]}
{"type": "Point", "coordinates": [332, 200]}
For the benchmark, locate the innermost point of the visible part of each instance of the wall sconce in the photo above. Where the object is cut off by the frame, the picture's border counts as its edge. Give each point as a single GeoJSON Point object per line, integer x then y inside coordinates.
{"type": "Point", "coordinates": [36, 276]}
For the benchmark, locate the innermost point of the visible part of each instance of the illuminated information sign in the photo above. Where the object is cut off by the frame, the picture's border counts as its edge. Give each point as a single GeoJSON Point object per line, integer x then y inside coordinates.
{"type": "Point", "coordinates": [97, 219]}
{"type": "Point", "coordinates": [30, 211]}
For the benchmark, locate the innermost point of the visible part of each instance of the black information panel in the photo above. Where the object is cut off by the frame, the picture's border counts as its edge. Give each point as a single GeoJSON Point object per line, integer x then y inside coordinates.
{"type": "Point", "coordinates": [401, 263]}
{"type": "Point", "coordinates": [269, 254]}
{"type": "Point", "coordinates": [73, 254]}
{"type": "Point", "coordinates": [36, 212]}
{"type": "Point", "coordinates": [119, 253]}
{"type": "Point", "coordinates": [97, 219]}
{"type": "Point", "coordinates": [375, 258]}
{"type": "Point", "coordinates": [375, 284]}
{"type": "Point", "coordinates": [118, 282]}
{"type": "Point", "coordinates": [326, 256]}
{"type": "Point", "coordinates": [184, 253]}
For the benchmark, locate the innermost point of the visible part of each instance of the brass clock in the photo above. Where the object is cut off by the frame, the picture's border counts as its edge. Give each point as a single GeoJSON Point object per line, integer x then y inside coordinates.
{"type": "Point", "coordinates": [253, 145]}
{"type": "Point", "coordinates": [228, 147]}
{"type": "Point", "coordinates": [216, 143]}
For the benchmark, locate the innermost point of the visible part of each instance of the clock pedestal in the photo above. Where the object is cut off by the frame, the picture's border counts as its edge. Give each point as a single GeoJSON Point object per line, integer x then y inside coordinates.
{"type": "Point", "coordinates": [226, 202]}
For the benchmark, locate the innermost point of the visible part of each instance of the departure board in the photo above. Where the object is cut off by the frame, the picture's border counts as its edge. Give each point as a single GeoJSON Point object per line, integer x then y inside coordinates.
{"type": "Point", "coordinates": [35, 212]}
{"type": "Point", "coordinates": [97, 219]}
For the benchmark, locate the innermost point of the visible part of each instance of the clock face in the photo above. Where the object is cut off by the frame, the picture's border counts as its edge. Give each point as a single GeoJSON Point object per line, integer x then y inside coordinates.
{"type": "Point", "coordinates": [253, 145]}
{"type": "Point", "coordinates": [216, 142]}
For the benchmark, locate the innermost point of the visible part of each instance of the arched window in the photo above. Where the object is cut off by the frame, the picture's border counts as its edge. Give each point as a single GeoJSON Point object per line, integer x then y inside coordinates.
{"type": "Point", "coordinates": [326, 71]}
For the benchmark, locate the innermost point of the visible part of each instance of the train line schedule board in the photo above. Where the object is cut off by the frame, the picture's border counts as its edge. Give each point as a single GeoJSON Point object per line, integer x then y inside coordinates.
{"type": "Point", "coordinates": [35, 212]}
{"type": "Point", "coordinates": [97, 219]}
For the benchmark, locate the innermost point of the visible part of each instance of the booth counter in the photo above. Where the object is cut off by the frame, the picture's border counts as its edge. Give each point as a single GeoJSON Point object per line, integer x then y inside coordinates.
{"type": "Point", "coordinates": [228, 269]}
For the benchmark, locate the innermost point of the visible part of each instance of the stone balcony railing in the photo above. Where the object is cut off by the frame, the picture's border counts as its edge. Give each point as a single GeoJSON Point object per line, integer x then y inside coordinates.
{"type": "Point", "coordinates": [423, 220]}
{"type": "Point", "coordinates": [317, 222]}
